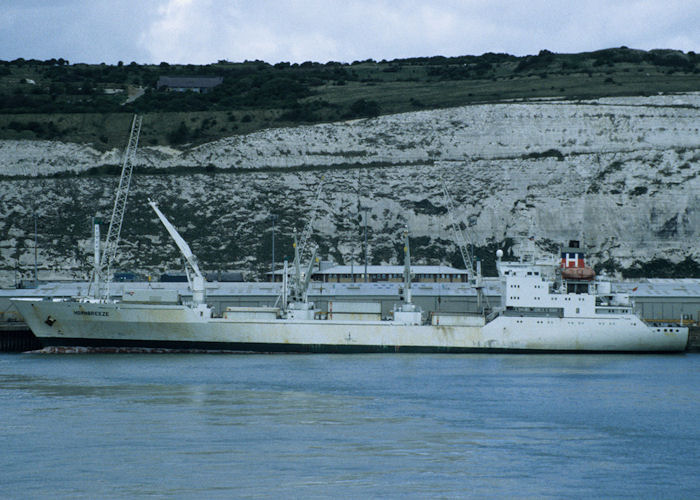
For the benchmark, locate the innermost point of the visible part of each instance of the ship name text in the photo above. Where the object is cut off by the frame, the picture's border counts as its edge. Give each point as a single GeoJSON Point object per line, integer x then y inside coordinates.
{"type": "Point", "coordinates": [91, 313]}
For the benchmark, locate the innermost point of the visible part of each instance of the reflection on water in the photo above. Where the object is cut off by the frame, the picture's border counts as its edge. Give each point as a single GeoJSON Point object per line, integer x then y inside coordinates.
{"type": "Point", "coordinates": [362, 425]}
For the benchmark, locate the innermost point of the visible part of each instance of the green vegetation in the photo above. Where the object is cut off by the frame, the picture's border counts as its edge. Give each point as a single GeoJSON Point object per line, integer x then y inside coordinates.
{"type": "Point", "coordinates": [639, 190]}
{"type": "Point", "coordinates": [655, 268]}
{"type": "Point", "coordinates": [550, 153]}
{"type": "Point", "coordinates": [663, 268]}
{"type": "Point", "coordinates": [115, 170]}
{"type": "Point", "coordinates": [90, 103]}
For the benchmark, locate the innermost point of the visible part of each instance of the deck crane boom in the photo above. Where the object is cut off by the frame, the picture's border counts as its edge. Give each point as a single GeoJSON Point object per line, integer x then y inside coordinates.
{"type": "Point", "coordinates": [103, 269]}
{"type": "Point", "coordinates": [197, 281]}
{"type": "Point", "coordinates": [309, 225]}
{"type": "Point", "coordinates": [300, 285]}
{"type": "Point", "coordinates": [463, 244]}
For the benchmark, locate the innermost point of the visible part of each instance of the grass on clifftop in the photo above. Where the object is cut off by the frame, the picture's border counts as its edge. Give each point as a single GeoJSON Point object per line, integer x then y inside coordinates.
{"type": "Point", "coordinates": [87, 103]}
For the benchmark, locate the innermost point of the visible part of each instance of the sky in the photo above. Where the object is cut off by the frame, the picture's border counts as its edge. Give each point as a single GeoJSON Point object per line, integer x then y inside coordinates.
{"type": "Point", "coordinates": [206, 31]}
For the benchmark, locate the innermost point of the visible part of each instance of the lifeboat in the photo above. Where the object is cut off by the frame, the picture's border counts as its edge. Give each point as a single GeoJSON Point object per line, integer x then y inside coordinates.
{"type": "Point", "coordinates": [578, 273]}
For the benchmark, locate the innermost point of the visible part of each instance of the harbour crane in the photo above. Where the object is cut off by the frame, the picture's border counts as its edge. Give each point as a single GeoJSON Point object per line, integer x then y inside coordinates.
{"type": "Point", "coordinates": [102, 273]}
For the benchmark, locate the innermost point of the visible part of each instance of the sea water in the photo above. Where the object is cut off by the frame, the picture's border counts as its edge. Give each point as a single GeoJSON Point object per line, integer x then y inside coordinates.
{"type": "Point", "coordinates": [261, 426]}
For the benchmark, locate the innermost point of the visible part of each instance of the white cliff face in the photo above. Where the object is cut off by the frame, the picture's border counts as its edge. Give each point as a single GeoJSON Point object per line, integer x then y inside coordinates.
{"type": "Point", "coordinates": [487, 131]}
{"type": "Point", "coordinates": [623, 174]}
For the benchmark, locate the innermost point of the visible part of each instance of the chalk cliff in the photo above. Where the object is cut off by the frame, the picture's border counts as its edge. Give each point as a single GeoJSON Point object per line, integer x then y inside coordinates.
{"type": "Point", "coordinates": [622, 174]}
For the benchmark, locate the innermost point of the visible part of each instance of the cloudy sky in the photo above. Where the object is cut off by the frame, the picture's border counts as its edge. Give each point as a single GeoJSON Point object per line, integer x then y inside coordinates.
{"type": "Point", "coordinates": [204, 31]}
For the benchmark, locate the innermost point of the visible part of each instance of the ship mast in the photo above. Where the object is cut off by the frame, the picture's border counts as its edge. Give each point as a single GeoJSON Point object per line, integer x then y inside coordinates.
{"type": "Point", "coordinates": [296, 288]}
{"type": "Point", "coordinates": [406, 269]}
{"type": "Point", "coordinates": [407, 313]}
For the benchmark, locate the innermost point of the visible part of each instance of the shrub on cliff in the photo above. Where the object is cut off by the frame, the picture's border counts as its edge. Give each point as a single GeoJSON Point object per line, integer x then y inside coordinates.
{"type": "Point", "coordinates": [362, 108]}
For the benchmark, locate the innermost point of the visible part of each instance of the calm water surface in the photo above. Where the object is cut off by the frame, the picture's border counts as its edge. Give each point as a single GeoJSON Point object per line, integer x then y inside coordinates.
{"type": "Point", "coordinates": [223, 426]}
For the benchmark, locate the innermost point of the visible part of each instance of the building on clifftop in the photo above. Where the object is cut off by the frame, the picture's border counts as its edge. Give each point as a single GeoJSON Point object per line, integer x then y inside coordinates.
{"type": "Point", "coordinates": [199, 84]}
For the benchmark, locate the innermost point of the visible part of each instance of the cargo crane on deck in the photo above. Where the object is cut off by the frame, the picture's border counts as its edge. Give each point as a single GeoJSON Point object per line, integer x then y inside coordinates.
{"type": "Point", "coordinates": [463, 243]}
{"type": "Point", "coordinates": [297, 293]}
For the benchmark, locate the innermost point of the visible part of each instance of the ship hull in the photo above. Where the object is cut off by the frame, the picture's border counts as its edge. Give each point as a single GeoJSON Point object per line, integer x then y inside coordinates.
{"type": "Point", "coordinates": [179, 327]}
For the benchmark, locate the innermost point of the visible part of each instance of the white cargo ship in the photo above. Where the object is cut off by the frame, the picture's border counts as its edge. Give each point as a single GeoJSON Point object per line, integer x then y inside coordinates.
{"type": "Point", "coordinates": [546, 307]}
